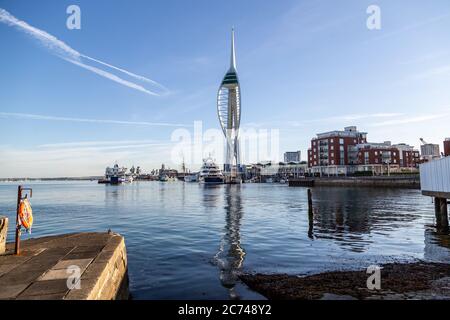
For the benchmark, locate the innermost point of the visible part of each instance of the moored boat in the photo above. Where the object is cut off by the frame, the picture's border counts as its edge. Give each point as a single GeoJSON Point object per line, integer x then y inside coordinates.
{"type": "Point", "coordinates": [116, 175]}
{"type": "Point", "coordinates": [191, 177]}
{"type": "Point", "coordinates": [210, 173]}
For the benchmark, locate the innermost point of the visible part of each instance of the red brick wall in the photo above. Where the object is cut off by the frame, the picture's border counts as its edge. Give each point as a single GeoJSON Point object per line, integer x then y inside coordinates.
{"type": "Point", "coordinates": [447, 148]}
{"type": "Point", "coordinates": [375, 156]}
{"type": "Point", "coordinates": [411, 159]}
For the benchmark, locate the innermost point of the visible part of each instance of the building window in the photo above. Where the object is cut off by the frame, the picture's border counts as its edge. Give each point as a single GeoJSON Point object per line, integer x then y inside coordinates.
{"type": "Point", "coordinates": [341, 148]}
{"type": "Point", "coordinates": [314, 143]}
{"type": "Point", "coordinates": [341, 141]}
{"type": "Point", "coordinates": [332, 147]}
{"type": "Point", "coordinates": [315, 156]}
{"type": "Point", "coordinates": [332, 161]}
{"type": "Point", "coordinates": [354, 140]}
{"type": "Point", "coordinates": [331, 140]}
{"type": "Point", "coordinates": [376, 153]}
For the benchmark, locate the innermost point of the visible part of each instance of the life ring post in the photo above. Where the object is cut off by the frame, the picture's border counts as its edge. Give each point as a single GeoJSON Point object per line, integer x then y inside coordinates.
{"type": "Point", "coordinates": [20, 197]}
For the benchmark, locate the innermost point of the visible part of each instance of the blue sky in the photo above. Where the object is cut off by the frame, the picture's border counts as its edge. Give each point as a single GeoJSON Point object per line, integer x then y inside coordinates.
{"type": "Point", "coordinates": [304, 67]}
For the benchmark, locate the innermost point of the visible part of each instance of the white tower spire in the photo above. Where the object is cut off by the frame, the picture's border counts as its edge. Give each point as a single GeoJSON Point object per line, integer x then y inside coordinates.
{"type": "Point", "coordinates": [229, 112]}
{"type": "Point", "coordinates": [233, 52]}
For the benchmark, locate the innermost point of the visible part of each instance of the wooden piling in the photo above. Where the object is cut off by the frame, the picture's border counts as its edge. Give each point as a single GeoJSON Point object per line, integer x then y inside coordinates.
{"type": "Point", "coordinates": [441, 212]}
{"type": "Point", "coordinates": [437, 209]}
{"type": "Point", "coordinates": [444, 213]}
{"type": "Point", "coordinates": [310, 215]}
{"type": "Point", "coordinates": [310, 206]}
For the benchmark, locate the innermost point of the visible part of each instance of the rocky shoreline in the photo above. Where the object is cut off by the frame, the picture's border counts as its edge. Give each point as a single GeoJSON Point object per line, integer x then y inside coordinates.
{"type": "Point", "coordinates": [399, 281]}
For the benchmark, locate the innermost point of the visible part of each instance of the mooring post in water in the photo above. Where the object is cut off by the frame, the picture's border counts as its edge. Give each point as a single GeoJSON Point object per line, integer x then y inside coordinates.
{"type": "Point", "coordinates": [441, 212]}
{"type": "Point", "coordinates": [437, 208]}
{"type": "Point", "coordinates": [310, 215]}
{"type": "Point", "coordinates": [310, 207]}
{"type": "Point", "coordinates": [444, 213]}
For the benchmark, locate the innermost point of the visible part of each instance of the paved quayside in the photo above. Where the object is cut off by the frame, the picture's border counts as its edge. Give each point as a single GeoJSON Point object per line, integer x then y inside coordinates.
{"type": "Point", "coordinates": [44, 265]}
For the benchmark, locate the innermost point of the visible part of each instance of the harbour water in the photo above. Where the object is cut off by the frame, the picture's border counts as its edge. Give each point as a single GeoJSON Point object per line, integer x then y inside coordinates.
{"type": "Point", "coordinates": [189, 241]}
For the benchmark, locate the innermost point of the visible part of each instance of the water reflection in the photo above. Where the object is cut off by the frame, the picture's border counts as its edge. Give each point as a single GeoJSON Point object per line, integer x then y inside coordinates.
{"type": "Point", "coordinates": [347, 216]}
{"type": "Point", "coordinates": [211, 195]}
{"type": "Point", "coordinates": [230, 256]}
{"type": "Point", "coordinates": [437, 244]}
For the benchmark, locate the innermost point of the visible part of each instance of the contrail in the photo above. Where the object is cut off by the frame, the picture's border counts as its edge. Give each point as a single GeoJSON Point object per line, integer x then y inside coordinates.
{"type": "Point", "coordinates": [69, 54]}
{"type": "Point", "coordinates": [127, 72]}
{"type": "Point", "coordinates": [111, 76]}
{"type": "Point", "coordinates": [120, 122]}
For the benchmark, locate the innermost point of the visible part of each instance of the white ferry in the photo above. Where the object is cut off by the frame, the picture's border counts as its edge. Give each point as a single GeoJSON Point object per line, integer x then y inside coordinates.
{"type": "Point", "coordinates": [210, 173]}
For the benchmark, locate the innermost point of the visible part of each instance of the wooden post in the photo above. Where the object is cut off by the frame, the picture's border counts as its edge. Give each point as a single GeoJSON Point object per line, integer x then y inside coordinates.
{"type": "Point", "coordinates": [310, 215]}
{"type": "Point", "coordinates": [444, 213]}
{"type": "Point", "coordinates": [18, 226]}
{"type": "Point", "coordinates": [437, 209]}
{"type": "Point", "coordinates": [310, 206]}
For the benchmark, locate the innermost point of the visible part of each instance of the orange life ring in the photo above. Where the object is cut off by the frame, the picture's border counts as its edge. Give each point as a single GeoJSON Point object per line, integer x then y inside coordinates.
{"type": "Point", "coordinates": [26, 214]}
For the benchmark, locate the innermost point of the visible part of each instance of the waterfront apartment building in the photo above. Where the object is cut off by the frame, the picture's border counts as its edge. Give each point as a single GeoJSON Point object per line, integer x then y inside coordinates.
{"type": "Point", "coordinates": [447, 147]}
{"type": "Point", "coordinates": [292, 156]}
{"type": "Point", "coordinates": [335, 148]}
{"type": "Point", "coordinates": [344, 152]}
{"type": "Point", "coordinates": [409, 157]}
{"type": "Point", "coordinates": [378, 154]}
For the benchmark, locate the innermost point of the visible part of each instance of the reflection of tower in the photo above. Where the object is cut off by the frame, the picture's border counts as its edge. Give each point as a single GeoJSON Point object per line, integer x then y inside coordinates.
{"type": "Point", "coordinates": [229, 112]}
{"type": "Point", "coordinates": [230, 256]}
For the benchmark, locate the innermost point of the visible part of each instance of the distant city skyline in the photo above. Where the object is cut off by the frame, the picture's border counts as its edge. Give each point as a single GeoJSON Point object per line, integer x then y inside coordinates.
{"type": "Point", "coordinates": [73, 102]}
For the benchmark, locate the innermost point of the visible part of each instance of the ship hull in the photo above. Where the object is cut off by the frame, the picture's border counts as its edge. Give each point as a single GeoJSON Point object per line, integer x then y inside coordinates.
{"type": "Point", "coordinates": [114, 180]}
{"type": "Point", "coordinates": [212, 180]}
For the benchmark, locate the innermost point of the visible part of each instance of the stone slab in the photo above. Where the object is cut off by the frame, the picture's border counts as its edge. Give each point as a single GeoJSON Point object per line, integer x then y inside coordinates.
{"type": "Point", "coordinates": [80, 263]}
{"type": "Point", "coordinates": [12, 291]}
{"type": "Point", "coordinates": [38, 288]}
{"type": "Point", "coordinates": [40, 272]}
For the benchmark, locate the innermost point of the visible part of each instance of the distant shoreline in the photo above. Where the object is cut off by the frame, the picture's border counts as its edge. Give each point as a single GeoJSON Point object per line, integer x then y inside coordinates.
{"type": "Point", "coordinates": [51, 179]}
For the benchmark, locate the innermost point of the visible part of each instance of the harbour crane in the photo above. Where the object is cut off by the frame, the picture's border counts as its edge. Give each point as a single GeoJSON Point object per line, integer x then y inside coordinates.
{"type": "Point", "coordinates": [423, 141]}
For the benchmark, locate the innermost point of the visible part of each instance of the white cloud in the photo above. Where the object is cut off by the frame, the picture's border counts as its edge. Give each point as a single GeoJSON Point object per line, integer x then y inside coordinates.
{"type": "Point", "coordinates": [416, 119]}
{"type": "Point", "coordinates": [118, 122]}
{"type": "Point", "coordinates": [350, 117]}
{"type": "Point", "coordinates": [96, 143]}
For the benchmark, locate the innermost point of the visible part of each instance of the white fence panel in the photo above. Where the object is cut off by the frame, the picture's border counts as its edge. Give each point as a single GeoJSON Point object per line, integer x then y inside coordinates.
{"type": "Point", "coordinates": [435, 175]}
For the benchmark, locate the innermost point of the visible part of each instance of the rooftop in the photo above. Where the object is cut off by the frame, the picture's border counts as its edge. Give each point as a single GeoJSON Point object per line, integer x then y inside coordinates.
{"type": "Point", "coordinates": [351, 131]}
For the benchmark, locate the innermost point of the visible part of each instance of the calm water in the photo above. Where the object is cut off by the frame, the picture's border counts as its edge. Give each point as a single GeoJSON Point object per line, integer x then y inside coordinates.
{"type": "Point", "coordinates": [188, 241]}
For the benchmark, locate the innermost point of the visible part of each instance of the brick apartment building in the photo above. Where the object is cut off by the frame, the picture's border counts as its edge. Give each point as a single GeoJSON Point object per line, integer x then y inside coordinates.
{"type": "Point", "coordinates": [348, 151]}
{"type": "Point", "coordinates": [332, 148]}
{"type": "Point", "coordinates": [378, 153]}
{"type": "Point", "coordinates": [409, 157]}
{"type": "Point", "coordinates": [447, 147]}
